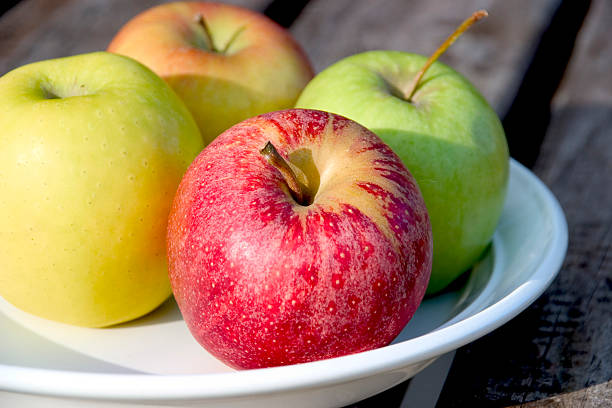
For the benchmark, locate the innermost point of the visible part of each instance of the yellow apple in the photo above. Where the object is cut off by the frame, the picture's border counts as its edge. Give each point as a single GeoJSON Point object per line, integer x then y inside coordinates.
{"type": "Point", "coordinates": [92, 148]}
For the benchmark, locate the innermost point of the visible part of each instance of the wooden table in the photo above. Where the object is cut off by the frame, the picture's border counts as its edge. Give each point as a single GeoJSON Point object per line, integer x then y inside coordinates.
{"type": "Point", "coordinates": [545, 67]}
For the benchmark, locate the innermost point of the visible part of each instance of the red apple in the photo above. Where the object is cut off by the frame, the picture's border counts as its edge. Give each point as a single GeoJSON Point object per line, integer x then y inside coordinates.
{"type": "Point", "coordinates": [225, 62]}
{"type": "Point", "coordinates": [276, 262]}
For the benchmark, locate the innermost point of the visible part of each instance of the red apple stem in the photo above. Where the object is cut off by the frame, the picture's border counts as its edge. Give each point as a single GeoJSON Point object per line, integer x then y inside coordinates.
{"type": "Point", "coordinates": [477, 15]}
{"type": "Point", "coordinates": [202, 22]}
{"type": "Point", "coordinates": [290, 173]}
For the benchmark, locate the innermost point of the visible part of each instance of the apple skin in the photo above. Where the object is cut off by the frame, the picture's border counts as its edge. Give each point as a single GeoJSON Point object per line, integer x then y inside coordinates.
{"type": "Point", "coordinates": [263, 70]}
{"type": "Point", "coordinates": [449, 138]}
{"type": "Point", "coordinates": [92, 149]}
{"type": "Point", "coordinates": [263, 281]}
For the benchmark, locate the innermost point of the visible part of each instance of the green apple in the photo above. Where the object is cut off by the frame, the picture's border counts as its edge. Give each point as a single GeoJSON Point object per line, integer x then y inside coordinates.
{"type": "Point", "coordinates": [444, 131]}
{"type": "Point", "coordinates": [92, 148]}
{"type": "Point", "coordinates": [227, 63]}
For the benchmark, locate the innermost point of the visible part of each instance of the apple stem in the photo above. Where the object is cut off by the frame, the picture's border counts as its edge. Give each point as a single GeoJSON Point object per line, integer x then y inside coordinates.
{"type": "Point", "coordinates": [291, 173]}
{"type": "Point", "coordinates": [477, 15]}
{"type": "Point", "coordinates": [231, 40]}
{"type": "Point", "coordinates": [202, 22]}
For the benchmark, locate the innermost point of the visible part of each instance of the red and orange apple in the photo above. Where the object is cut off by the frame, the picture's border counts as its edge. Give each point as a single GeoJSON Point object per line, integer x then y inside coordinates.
{"type": "Point", "coordinates": [318, 249]}
{"type": "Point", "coordinates": [226, 63]}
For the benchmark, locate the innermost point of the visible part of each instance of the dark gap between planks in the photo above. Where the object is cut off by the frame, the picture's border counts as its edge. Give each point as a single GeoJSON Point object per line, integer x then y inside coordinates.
{"type": "Point", "coordinates": [285, 12]}
{"type": "Point", "coordinates": [6, 5]}
{"type": "Point", "coordinates": [529, 115]}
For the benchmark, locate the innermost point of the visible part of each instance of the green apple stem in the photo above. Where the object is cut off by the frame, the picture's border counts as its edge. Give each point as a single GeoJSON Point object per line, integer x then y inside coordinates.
{"type": "Point", "coordinates": [477, 15]}
{"type": "Point", "coordinates": [202, 22]}
{"type": "Point", "coordinates": [294, 177]}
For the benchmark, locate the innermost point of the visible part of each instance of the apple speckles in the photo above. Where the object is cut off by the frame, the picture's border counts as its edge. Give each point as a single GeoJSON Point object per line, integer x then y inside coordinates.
{"type": "Point", "coordinates": [308, 273]}
{"type": "Point", "coordinates": [337, 281]}
{"type": "Point", "coordinates": [285, 259]}
{"type": "Point", "coordinates": [374, 189]}
{"type": "Point", "coordinates": [340, 124]}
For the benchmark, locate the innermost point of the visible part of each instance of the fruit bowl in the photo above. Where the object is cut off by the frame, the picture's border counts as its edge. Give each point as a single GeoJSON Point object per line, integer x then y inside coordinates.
{"type": "Point", "coordinates": [154, 361]}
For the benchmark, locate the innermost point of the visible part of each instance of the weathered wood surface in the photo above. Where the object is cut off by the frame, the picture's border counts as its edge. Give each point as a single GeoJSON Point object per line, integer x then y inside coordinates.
{"type": "Point", "coordinates": [558, 353]}
{"type": "Point", "coordinates": [596, 396]}
{"type": "Point", "coordinates": [35, 30]}
{"type": "Point", "coordinates": [493, 54]}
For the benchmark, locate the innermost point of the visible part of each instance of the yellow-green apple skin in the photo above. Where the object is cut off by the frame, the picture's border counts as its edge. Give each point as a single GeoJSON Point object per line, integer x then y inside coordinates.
{"type": "Point", "coordinates": [253, 65]}
{"type": "Point", "coordinates": [92, 148]}
{"type": "Point", "coordinates": [447, 136]}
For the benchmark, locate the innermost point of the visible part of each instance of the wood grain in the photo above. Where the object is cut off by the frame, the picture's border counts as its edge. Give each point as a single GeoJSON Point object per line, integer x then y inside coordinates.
{"type": "Point", "coordinates": [35, 30]}
{"type": "Point", "coordinates": [493, 54]}
{"type": "Point", "coordinates": [597, 396]}
{"type": "Point", "coordinates": [558, 353]}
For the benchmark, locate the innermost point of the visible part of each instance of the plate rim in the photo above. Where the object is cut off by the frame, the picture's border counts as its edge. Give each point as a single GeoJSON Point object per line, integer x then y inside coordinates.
{"type": "Point", "coordinates": [132, 387]}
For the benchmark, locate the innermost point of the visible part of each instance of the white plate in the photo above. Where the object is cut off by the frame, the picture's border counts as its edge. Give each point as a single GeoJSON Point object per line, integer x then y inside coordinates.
{"type": "Point", "coordinates": [154, 361]}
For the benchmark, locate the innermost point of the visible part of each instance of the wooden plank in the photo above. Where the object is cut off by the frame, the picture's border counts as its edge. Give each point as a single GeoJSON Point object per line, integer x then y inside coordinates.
{"type": "Point", "coordinates": [597, 396]}
{"type": "Point", "coordinates": [35, 30]}
{"type": "Point", "coordinates": [558, 353]}
{"type": "Point", "coordinates": [494, 54]}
